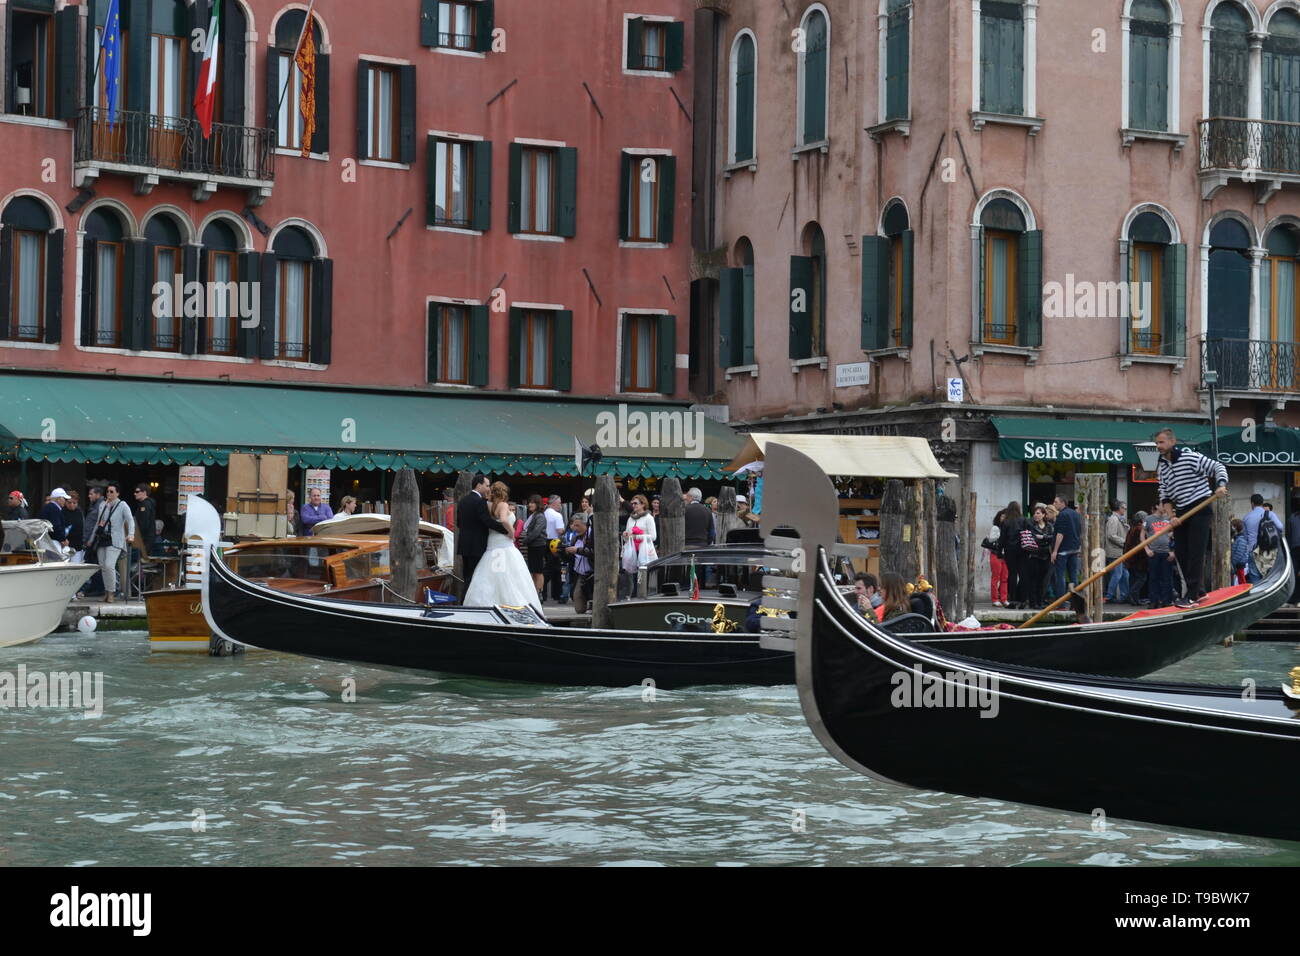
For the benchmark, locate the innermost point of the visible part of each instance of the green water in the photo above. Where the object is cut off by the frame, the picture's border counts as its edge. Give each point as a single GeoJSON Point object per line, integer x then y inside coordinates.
{"type": "Point", "coordinates": [264, 753]}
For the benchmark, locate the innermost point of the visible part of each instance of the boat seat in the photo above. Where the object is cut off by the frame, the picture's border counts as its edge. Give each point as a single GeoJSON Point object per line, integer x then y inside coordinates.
{"type": "Point", "coordinates": [909, 624]}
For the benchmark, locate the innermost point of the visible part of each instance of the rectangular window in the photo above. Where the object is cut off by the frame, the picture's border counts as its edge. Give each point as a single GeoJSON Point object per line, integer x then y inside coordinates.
{"type": "Point", "coordinates": [1278, 283]}
{"type": "Point", "coordinates": [167, 60]}
{"type": "Point", "coordinates": [108, 295]}
{"type": "Point", "coordinates": [1002, 57]}
{"type": "Point", "coordinates": [457, 25]}
{"type": "Point", "coordinates": [292, 310]}
{"type": "Point", "coordinates": [290, 124]}
{"type": "Point", "coordinates": [654, 43]}
{"type": "Point", "coordinates": [537, 191]}
{"type": "Point", "coordinates": [640, 362]}
{"type": "Point", "coordinates": [453, 344]}
{"type": "Point", "coordinates": [27, 306]}
{"type": "Point", "coordinates": [31, 90]}
{"type": "Point", "coordinates": [166, 264]}
{"type": "Point", "coordinates": [536, 345]}
{"type": "Point", "coordinates": [453, 186]}
{"type": "Point", "coordinates": [1000, 287]}
{"type": "Point", "coordinates": [643, 200]}
{"type": "Point", "coordinates": [382, 113]}
{"type": "Point", "coordinates": [1147, 259]}
{"type": "Point", "coordinates": [221, 323]}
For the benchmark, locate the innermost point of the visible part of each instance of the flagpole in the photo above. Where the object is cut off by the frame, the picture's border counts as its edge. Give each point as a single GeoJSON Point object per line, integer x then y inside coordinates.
{"type": "Point", "coordinates": [306, 22]}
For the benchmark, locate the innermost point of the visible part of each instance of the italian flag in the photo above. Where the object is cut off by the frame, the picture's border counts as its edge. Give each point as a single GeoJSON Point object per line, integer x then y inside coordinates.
{"type": "Point", "coordinates": [205, 95]}
{"type": "Point", "coordinates": [695, 583]}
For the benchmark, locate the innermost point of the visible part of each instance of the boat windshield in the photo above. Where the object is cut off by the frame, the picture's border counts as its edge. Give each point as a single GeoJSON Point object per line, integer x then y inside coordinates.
{"type": "Point", "coordinates": [308, 565]}
{"type": "Point", "coordinates": [374, 564]}
{"type": "Point", "coordinates": [740, 576]}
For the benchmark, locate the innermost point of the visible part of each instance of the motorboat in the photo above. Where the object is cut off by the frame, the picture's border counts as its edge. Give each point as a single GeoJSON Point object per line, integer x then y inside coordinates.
{"type": "Point", "coordinates": [37, 581]}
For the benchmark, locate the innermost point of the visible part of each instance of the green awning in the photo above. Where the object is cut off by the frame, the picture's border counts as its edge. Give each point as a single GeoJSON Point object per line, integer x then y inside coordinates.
{"type": "Point", "coordinates": [1083, 440]}
{"type": "Point", "coordinates": [71, 418]}
{"type": "Point", "coordinates": [1257, 447]}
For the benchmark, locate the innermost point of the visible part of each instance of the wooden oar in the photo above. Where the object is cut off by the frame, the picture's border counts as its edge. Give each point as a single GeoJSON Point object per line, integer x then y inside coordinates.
{"type": "Point", "coordinates": [1123, 557]}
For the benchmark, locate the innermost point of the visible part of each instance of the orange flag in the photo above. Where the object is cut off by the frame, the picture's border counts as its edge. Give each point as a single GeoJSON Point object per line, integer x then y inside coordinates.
{"type": "Point", "coordinates": [305, 57]}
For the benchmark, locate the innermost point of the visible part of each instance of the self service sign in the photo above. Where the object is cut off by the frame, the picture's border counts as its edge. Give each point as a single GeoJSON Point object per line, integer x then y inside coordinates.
{"type": "Point", "coordinates": [1036, 449]}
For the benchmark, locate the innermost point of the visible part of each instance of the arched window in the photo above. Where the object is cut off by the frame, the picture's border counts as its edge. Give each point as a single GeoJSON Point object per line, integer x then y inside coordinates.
{"type": "Point", "coordinates": [1011, 277]}
{"type": "Point", "coordinates": [808, 297]}
{"type": "Point", "coordinates": [284, 81]}
{"type": "Point", "coordinates": [814, 77]}
{"type": "Point", "coordinates": [897, 58]}
{"type": "Point", "coordinates": [1228, 304]}
{"type": "Point", "coordinates": [744, 115]}
{"type": "Point", "coordinates": [31, 272]}
{"type": "Point", "coordinates": [1281, 71]}
{"type": "Point", "coordinates": [1149, 252]}
{"type": "Point", "coordinates": [1002, 57]}
{"type": "Point", "coordinates": [219, 269]}
{"type": "Point", "coordinates": [1280, 311]}
{"type": "Point", "coordinates": [296, 326]}
{"type": "Point", "coordinates": [165, 267]}
{"type": "Point", "coordinates": [1229, 61]}
{"type": "Point", "coordinates": [887, 282]}
{"type": "Point", "coordinates": [1149, 58]}
{"type": "Point", "coordinates": [736, 307]}
{"type": "Point", "coordinates": [103, 271]}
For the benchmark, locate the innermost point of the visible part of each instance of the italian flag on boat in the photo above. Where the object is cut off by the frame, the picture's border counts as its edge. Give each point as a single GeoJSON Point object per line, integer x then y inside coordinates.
{"type": "Point", "coordinates": [205, 94]}
{"type": "Point", "coordinates": [695, 583]}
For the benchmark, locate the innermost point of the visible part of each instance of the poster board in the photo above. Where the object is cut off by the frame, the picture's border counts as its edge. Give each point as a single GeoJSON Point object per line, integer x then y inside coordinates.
{"type": "Point", "coordinates": [318, 478]}
{"type": "Point", "coordinates": [191, 483]}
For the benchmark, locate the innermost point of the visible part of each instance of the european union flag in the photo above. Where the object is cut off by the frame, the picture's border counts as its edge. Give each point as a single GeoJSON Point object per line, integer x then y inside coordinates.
{"type": "Point", "coordinates": [112, 59]}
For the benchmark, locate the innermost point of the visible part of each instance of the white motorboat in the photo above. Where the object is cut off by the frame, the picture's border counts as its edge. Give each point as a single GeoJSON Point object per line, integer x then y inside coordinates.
{"type": "Point", "coordinates": [36, 582]}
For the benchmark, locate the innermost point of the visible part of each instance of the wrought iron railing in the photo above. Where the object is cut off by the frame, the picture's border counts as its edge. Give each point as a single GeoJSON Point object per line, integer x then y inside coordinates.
{"type": "Point", "coordinates": [291, 351]}
{"type": "Point", "coordinates": [1252, 364]}
{"type": "Point", "coordinates": [457, 41]}
{"type": "Point", "coordinates": [1249, 145]}
{"type": "Point", "coordinates": [996, 333]}
{"type": "Point", "coordinates": [173, 143]}
{"type": "Point", "coordinates": [1149, 342]}
{"type": "Point", "coordinates": [651, 61]}
{"type": "Point", "coordinates": [109, 338]}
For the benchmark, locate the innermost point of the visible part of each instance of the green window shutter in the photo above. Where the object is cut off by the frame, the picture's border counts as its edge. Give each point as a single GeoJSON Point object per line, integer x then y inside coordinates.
{"type": "Point", "coordinates": [54, 288]}
{"type": "Point", "coordinates": [981, 318]}
{"type": "Point", "coordinates": [897, 66]}
{"type": "Point", "coordinates": [478, 345]}
{"type": "Point", "coordinates": [625, 164]}
{"type": "Point", "coordinates": [431, 334]}
{"type": "Point", "coordinates": [249, 265]}
{"type": "Point", "coordinates": [487, 22]}
{"type": "Point", "coordinates": [363, 95]}
{"type": "Point", "coordinates": [666, 340]}
{"type": "Point", "coordinates": [406, 140]}
{"type": "Point", "coordinates": [272, 80]}
{"type": "Point", "coordinates": [137, 300]}
{"type": "Point", "coordinates": [322, 311]}
{"type": "Point", "coordinates": [320, 142]}
{"type": "Point", "coordinates": [430, 180]}
{"type": "Point", "coordinates": [801, 305]}
{"type": "Point", "coordinates": [667, 198]}
{"type": "Point", "coordinates": [625, 360]}
{"type": "Point", "coordinates": [1174, 291]}
{"type": "Point", "coordinates": [567, 217]}
{"type": "Point", "coordinates": [635, 42]}
{"type": "Point", "coordinates": [731, 316]}
{"type": "Point", "coordinates": [1002, 58]}
{"type": "Point", "coordinates": [875, 293]}
{"type": "Point", "coordinates": [136, 18]}
{"type": "Point", "coordinates": [481, 217]}
{"type": "Point", "coordinates": [516, 187]}
{"type": "Point", "coordinates": [267, 330]}
{"type": "Point", "coordinates": [516, 346]}
{"type": "Point", "coordinates": [562, 357]}
{"type": "Point", "coordinates": [190, 326]}
{"type": "Point", "coordinates": [905, 288]}
{"type": "Point", "coordinates": [6, 277]}
{"type": "Point", "coordinates": [1148, 81]}
{"type": "Point", "coordinates": [676, 46]}
{"type": "Point", "coordinates": [89, 283]}
{"type": "Point", "coordinates": [745, 100]}
{"type": "Point", "coordinates": [814, 86]}
{"type": "Point", "coordinates": [1137, 82]}
{"type": "Point", "coordinates": [429, 24]}
{"type": "Point", "coordinates": [1030, 252]}
{"type": "Point", "coordinates": [747, 316]}
{"type": "Point", "coordinates": [66, 25]}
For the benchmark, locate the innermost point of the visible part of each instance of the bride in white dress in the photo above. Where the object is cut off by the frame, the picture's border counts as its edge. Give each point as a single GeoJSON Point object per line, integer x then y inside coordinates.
{"type": "Point", "coordinates": [502, 576]}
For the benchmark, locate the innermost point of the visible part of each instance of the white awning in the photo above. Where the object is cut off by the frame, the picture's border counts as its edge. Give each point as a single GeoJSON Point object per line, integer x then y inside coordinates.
{"type": "Point", "coordinates": [874, 456]}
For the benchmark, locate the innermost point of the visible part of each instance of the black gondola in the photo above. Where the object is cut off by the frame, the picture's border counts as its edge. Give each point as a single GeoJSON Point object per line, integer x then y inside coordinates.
{"type": "Point", "coordinates": [1182, 755]}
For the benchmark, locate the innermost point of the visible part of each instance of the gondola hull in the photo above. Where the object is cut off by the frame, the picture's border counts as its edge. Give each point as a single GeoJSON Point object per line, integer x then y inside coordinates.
{"type": "Point", "coordinates": [454, 642]}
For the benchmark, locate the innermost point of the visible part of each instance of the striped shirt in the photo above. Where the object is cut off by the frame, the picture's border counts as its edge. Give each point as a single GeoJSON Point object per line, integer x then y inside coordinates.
{"type": "Point", "coordinates": [1183, 480]}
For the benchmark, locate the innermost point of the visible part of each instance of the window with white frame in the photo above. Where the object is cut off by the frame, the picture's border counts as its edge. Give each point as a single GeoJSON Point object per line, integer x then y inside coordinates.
{"type": "Point", "coordinates": [814, 77]}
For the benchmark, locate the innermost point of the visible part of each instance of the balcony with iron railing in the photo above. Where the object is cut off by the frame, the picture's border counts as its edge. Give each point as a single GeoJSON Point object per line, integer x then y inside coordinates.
{"type": "Point", "coordinates": [1252, 366]}
{"type": "Point", "coordinates": [1265, 153]}
{"type": "Point", "coordinates": [152, 148]}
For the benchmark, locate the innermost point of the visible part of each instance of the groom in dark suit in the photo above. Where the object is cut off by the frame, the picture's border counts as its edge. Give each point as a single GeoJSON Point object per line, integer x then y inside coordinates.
{"type": "Point", "coordinates": [473, 522]}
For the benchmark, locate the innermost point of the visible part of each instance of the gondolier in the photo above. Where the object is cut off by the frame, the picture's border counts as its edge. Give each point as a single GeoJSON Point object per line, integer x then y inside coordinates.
{"type": "Point", "coordinates": [1184, 478]}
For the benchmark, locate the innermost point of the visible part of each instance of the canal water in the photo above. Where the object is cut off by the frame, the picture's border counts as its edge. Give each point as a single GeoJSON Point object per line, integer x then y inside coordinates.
{"type": "Point", "coordinates": [259, 760]}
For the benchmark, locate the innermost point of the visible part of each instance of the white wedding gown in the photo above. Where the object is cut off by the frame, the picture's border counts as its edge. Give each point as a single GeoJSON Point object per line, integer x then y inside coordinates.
{"type": "Point", "coordinates": [502, 577]}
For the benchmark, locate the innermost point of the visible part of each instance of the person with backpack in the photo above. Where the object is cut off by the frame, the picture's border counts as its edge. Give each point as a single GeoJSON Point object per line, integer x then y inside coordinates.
{"type": "Point", "coordinates": [1035, 546]}
{"type": "Point", "coordinates": [1263, 530]}
{"type": "Point", "coordinates": [997, 567]}
{"type": "Point", "coordinates": [1240, 556]}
